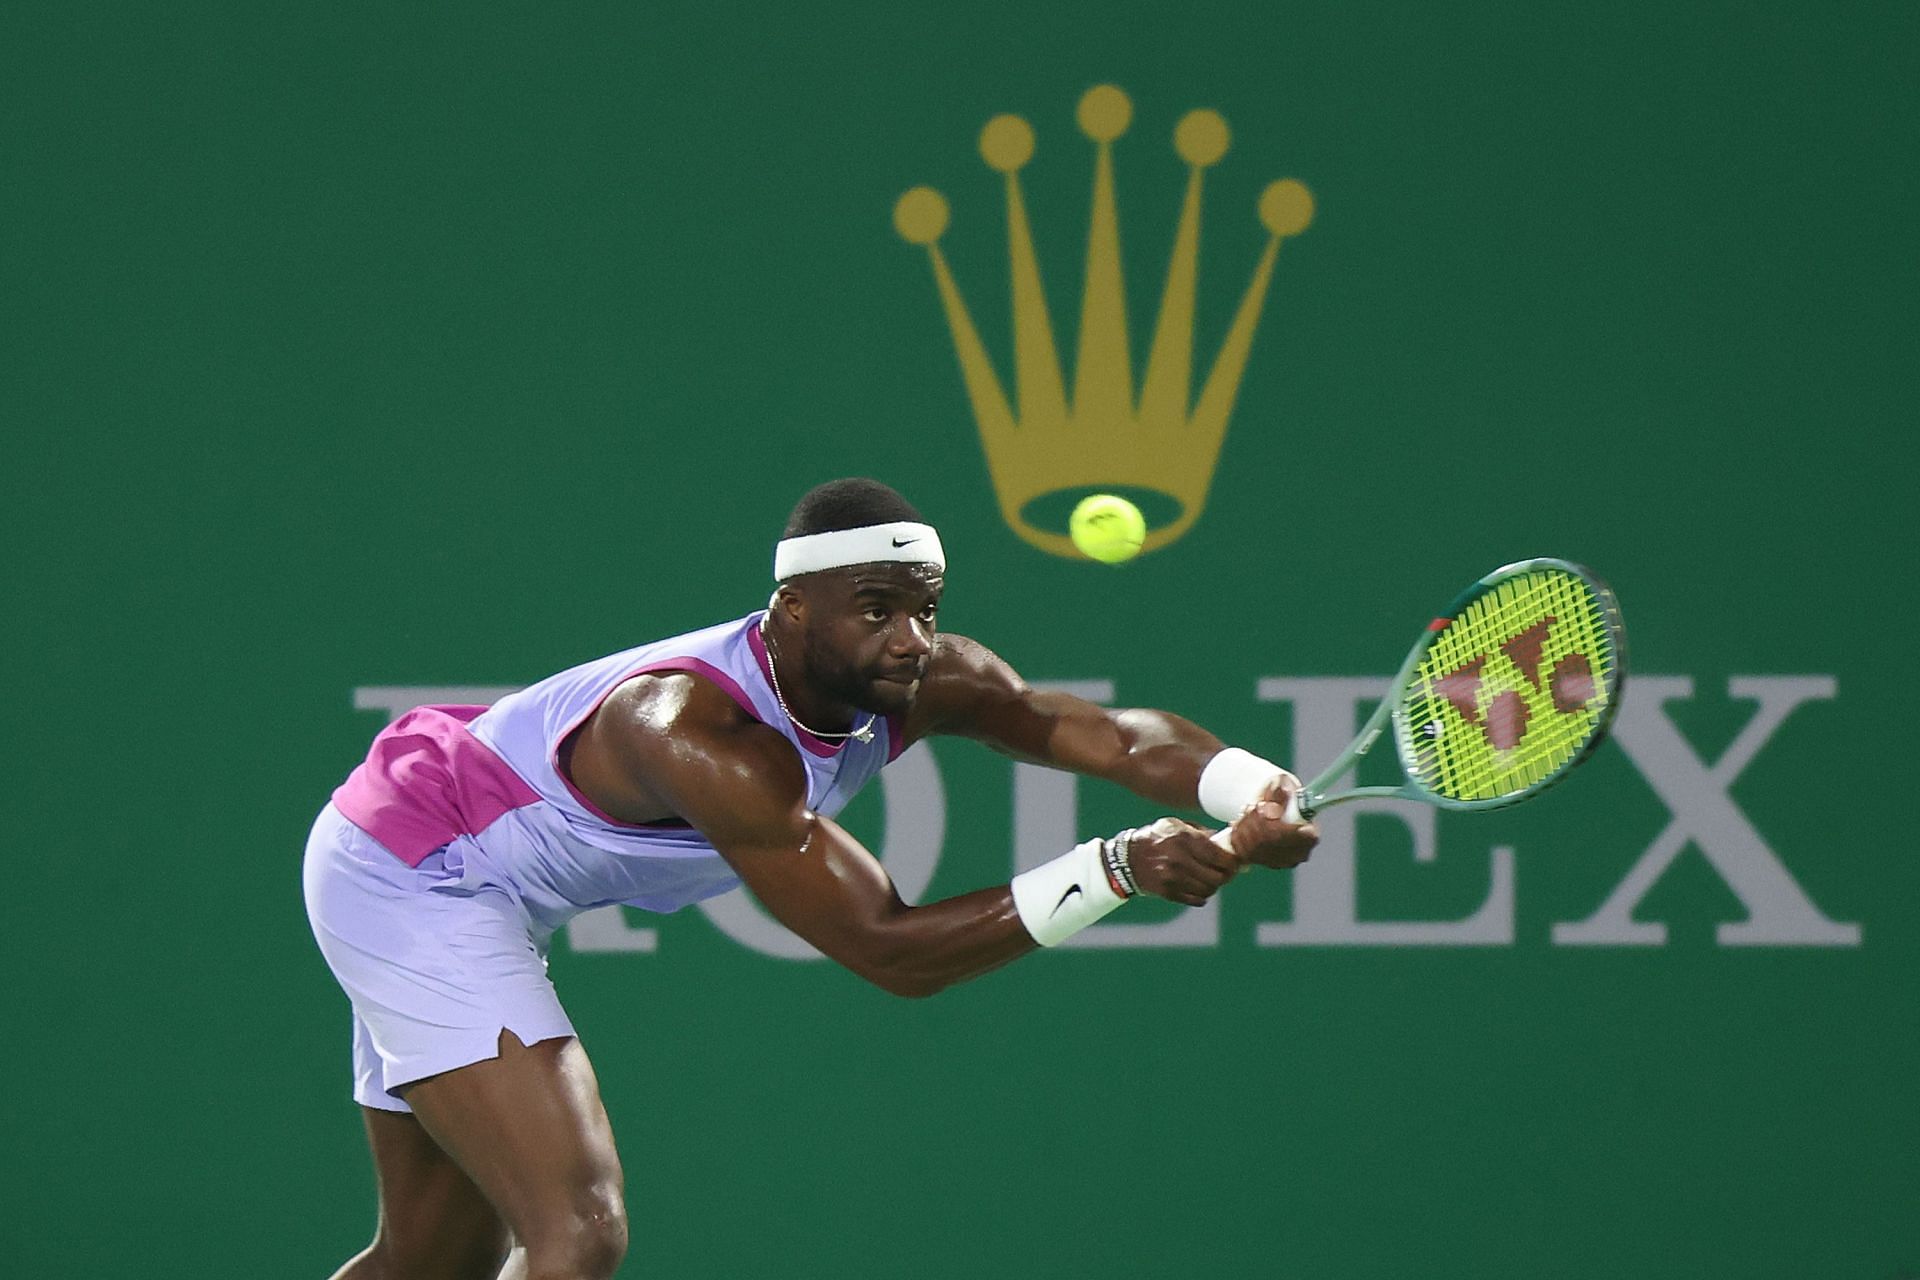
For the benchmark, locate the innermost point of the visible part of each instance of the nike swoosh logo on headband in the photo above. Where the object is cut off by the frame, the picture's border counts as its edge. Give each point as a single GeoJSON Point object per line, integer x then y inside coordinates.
{"type": "Point", "coordinates": [901, 542]}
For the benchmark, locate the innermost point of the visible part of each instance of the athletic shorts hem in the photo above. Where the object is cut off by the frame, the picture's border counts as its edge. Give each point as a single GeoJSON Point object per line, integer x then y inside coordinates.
{"type": "Point", "coordinates": [484, 1046]}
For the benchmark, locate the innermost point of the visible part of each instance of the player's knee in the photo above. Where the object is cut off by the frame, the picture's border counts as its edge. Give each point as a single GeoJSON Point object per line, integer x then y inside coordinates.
{"type": "Point", "coordinates": [586, 1242]}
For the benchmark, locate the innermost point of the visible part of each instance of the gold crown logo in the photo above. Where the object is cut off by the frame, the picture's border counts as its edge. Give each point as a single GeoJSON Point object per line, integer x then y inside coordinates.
{"type": "Point", "coordinates": [1165, 441]}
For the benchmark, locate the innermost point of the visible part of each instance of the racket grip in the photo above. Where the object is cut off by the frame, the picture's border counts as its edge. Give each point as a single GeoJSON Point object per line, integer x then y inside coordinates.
{"type": "Point", "coordinates": [1294, 813]}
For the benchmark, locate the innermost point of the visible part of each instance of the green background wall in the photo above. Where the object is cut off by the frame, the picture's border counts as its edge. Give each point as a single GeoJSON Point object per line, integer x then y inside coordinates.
{"type": "Point", "coordinates": [373, 345]}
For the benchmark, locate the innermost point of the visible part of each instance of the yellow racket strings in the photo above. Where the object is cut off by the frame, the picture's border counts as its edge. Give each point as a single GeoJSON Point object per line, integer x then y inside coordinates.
{"type": "Point", "coordinates": [1509, 694]}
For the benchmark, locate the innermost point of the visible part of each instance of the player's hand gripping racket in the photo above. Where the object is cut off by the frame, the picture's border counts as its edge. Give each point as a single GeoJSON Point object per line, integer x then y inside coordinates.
{"type": "Point", "coordinates": [1509, 689]}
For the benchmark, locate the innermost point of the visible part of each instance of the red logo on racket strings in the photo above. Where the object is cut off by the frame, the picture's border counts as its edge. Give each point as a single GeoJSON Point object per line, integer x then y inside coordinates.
{"type": "Point", "coordinates": [1504, 722]}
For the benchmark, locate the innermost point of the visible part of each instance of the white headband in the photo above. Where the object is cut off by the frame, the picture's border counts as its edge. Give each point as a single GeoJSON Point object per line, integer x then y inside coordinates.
{"type": "Point", "coordinates": [903, 540]}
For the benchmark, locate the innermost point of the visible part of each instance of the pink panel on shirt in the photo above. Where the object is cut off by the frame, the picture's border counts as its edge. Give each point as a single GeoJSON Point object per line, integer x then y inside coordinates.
{"type": "Point", "coordinates": [427, 779]}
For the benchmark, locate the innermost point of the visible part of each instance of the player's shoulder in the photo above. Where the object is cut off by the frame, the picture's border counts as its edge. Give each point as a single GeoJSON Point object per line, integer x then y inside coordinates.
{"type": "Point", "coordinates": [957, 652]}
{"type": "Point", "coordinates": [962, 660]}
{"type": "Point", "coordinates": [963, 676]}
{"type": "Point", "coordinates": [667, 714]}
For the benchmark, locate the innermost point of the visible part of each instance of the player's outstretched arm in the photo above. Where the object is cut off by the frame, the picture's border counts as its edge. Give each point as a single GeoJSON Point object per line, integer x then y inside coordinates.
{"type": "Point", "coordinates": [676, 744]}
{"type": "Point", "coordinates": [971, 692]}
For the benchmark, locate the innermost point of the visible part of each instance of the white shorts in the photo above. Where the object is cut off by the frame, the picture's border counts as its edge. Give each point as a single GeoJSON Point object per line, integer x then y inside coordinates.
{"type": "Point", "coordinates": [436, 968]}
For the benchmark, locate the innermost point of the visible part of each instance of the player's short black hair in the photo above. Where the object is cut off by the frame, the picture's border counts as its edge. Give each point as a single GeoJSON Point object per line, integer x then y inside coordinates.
{"type": "Point", "coordinates": [853, 503]}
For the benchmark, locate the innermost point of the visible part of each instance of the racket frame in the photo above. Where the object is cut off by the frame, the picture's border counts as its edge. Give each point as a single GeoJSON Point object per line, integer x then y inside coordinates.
{"type": "Point", "coordinates": [1313, 796]}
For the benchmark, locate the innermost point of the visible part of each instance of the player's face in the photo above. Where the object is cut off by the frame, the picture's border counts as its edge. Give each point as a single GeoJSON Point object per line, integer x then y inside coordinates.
{"type": "Point", "coordinates": [869, 634]}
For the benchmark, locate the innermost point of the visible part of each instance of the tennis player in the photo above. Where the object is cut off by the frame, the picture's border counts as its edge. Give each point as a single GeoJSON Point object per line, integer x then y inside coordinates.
{"type": "Point", "coordinates": [666, 774]}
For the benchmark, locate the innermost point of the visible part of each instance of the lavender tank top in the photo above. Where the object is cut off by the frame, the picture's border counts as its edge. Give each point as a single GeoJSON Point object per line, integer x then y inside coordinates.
{"type": "Point", "coordinates": [482, 786]}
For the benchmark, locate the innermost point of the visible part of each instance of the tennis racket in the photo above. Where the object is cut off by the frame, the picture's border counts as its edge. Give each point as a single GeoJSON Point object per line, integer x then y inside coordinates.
{"type": "Point", "coordinates": [1502, 696]}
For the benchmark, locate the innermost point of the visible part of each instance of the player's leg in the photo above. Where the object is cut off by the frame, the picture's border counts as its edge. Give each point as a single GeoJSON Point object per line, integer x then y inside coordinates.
{"type": "Point", "coordinates": [434, 1222]}
{"type": "Point", "coordinates": [528, 1128]}
{"type": "Point", "coordinates": [449, 986]}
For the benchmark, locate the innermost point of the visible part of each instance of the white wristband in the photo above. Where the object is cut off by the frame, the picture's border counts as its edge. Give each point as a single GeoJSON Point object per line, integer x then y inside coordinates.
{"type": "Point", "coordinates": [1233, 780]}
{"type": "Point", "coordinates": [1060, 898]}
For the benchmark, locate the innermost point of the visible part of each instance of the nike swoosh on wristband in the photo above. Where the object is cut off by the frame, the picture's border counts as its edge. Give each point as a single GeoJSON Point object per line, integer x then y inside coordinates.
{"type": "Point", "coordinates": [1063, 899]}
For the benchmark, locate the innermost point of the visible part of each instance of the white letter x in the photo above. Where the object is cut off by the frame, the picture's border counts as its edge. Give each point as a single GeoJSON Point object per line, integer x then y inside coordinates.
{"type": "Point", "coordinates": [1779, 911]}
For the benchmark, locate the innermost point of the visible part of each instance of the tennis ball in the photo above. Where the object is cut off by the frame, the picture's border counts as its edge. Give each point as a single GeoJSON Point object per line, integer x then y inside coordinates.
{"type": "Point", "coordinates": [1107, 528]}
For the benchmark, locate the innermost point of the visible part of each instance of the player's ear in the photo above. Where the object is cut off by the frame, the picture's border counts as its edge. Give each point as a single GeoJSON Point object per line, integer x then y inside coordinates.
{"type": "Point", "coordinates": [788, 602]}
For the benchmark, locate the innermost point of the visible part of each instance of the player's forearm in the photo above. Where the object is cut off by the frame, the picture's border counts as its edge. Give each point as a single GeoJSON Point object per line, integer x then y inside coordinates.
{"type": "Point", "coordinates": [837, 896]}
{"type": "Point", "coordinates": [929, 948]}
{"type": "Point", "coordinates": [1165, 757]}
{"type": "Point", "coordinates": [855, 917]}
{"type": "Point", "coordinates": [1155, 754]}
{"type": "Point", "coordinates": [920, 951]}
